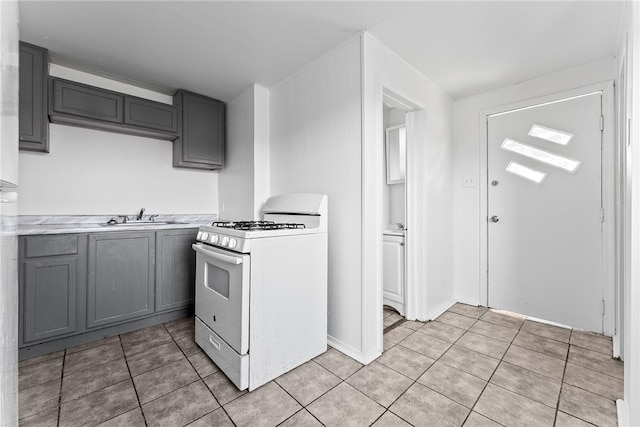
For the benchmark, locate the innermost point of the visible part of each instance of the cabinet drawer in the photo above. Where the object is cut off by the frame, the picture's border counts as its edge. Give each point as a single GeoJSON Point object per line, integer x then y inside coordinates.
{"type": "Point", "coordinates": [86, 101]}
{"type": "Point", "coordinates": [150, 114]}
{"type": "Point", "coordinates": [235, 366]}
{"type": "Point", "coordinates": [38, 246]}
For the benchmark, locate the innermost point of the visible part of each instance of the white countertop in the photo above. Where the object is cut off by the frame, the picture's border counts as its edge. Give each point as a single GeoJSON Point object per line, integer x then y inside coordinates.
{"type": "Point", "coordinates": [64, 224]}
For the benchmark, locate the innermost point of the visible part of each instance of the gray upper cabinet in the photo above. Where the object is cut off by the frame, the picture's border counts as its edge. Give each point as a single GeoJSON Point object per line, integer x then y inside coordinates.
{"type": "Point", "coordinates": [76, 101]}
{"type": "Point", "coordinates": [92, 107]}
{"type": "Point", "coordinates": [34, 123]}
{"type": "Point", "coordinates": [175, 268]}
{"type": "Point", "coordinates": [120, 283]}
{"type": "Point", "coordinates": [201, 132]}
{"type": "Point", "coordinates": [150, 114]}
{"type": "Point", "coordinates": [51, 270]}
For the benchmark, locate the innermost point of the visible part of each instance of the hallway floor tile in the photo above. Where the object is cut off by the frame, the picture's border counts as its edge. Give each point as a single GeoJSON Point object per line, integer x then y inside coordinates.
{"type": "Point", "coordinates": [473, 366]}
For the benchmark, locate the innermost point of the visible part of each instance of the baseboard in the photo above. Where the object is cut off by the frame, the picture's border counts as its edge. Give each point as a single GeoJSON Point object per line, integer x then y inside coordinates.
{"type": "Point", "coordinates": [435, 312]}
{"type": "Point", "coordinates": [623, 413]}
{"type": "Point", "coordinates": [617, 347]}
{"type": "Point", "coordinates": [352, 352]}
{"type": "Point", "coordinates": [34, 350]}
{"type": "Point", "coordinates": [474, 302]}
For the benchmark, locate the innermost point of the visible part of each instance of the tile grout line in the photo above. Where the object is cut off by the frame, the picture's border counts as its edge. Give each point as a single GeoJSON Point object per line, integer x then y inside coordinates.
{"type": "Point", "coordinates": [493, 373]}
{"type": "Point", "coordinates": [200, 378]}
{"type": "Point", "coordinates": [588, 391]}
{"type": "Point", "coordinates": [426, 370]}
{"type": "Point", "coordinates": [341, 381]}
{"type": "Point", "coordinates": [64, 360]}
{"type": "Point", "coordinates": [133, 384]}
{"type": "Point", "coordinates": [489, 379]}
{"type": "Point", "coordinates": [564, 371]}
{"type": "Point", "coordinates": [304, 407]}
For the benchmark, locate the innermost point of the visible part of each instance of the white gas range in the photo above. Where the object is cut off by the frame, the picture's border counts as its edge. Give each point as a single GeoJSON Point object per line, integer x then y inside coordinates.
{"type": "Point", "coordinates": [261, 289]}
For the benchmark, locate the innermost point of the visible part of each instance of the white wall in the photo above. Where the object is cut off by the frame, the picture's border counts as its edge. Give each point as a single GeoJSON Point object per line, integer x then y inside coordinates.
{"type": "Point", "coordinates": [96, 172]}
{"type": "Point", "coordinates": [467, 268]}
{"type": "Point", "coordinates": [429, 190]}
{"type": "Point", "coordinates": [315, 147]}
{"type": "Point", "coordinates": [629, 408]}
{"type": "Point", "coordinates": [9, 62]}
{"type": "Point", "coordinates": [235, 181]}
{"type": "Point", "coordinates": [243, 184]}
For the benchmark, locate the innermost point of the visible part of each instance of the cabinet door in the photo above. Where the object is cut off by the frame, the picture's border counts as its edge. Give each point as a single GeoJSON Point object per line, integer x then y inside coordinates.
{"type": "Point", "coordinates": [201, 131]}
{"type": "Point", "coordinates": [34, 123]}
{"type": "Point", "coordinates": [75, 99]}
{"type": "Point", "coordinates": [150, 114]}
{"type": "Point", "coordinates": [393, 269]}
{"type": "Point", "coordinates": [49, 306]}
{"type": "Point", "coordinates": [120, 277]}
{"type": "Point", "coordinates": [175, 268]}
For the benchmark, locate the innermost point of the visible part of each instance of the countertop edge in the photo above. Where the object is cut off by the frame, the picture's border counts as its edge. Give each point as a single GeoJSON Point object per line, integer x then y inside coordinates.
{"type": "Point", "coordinates": [43, 225]}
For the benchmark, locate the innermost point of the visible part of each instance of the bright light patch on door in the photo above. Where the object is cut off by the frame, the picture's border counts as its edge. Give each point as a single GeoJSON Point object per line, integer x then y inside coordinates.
{"type": "Point", "coordinates": [556, 160]}
{"type": "Point", "coordinates": [525, 172]}
{"type": "Point", "coordinates": [552, 135]}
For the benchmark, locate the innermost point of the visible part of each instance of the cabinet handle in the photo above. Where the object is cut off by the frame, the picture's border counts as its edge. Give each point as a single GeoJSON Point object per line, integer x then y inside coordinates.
{"type": "Point", "coordinates": [215, 343]}
{"type": "Point", "coordinates": [217, 256]}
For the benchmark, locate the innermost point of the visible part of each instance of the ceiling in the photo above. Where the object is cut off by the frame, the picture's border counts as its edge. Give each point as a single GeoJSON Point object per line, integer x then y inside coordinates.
{"type": "Point", "coordinates": [218, 48]}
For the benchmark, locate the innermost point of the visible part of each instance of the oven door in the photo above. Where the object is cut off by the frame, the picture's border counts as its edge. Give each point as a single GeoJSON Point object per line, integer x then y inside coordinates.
{"type": "Point", "coordinates": [222, 294]}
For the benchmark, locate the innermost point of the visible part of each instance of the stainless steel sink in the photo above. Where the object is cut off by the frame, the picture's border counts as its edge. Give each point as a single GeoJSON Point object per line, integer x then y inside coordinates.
{"type": "Point", "coordinates": [134, 223]}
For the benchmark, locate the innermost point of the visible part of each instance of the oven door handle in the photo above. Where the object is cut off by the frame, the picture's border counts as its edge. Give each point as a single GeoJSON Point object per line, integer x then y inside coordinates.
{"type": "Point", "coordinates": [217, 256]}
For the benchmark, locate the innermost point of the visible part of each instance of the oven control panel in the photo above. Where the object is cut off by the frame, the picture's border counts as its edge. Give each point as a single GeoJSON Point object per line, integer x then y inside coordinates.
{"type": "Point", "coordinates": [228, 242]}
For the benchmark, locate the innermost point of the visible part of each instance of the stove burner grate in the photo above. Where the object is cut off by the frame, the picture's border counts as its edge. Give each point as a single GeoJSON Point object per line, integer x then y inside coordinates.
{"type": "Point", "coordinates": [256, 225]}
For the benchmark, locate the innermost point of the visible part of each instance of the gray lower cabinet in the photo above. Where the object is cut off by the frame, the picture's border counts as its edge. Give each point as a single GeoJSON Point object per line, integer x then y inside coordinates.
{"type": "Point", "coordinates": [51, 275]}
{"type": "Point", "coordinates": [34, 122]}
{"type": "Point", "coordinates": [201, 132]}
{"type": "Point", "coordinates": [95, 283]}
{"type": "Point", "coordinates": [175, 269]}
{"type": "Point", "coordinates": [120, 277]}
{"type": "Point", "coordinates": [50, 294]}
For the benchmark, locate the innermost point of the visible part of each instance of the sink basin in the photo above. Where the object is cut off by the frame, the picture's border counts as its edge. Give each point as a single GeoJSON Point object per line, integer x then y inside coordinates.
{"type": "Point", "coordinates": [139, 223]}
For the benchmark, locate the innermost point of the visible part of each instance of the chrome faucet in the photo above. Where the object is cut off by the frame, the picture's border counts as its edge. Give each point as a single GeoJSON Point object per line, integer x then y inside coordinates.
{"type": "Point", "coordinates": [125, 218]}
{"type": "Point", "coordinates": [152, 218]}
{"type": "Point", "coordinates": [400, 225]}
{"type": "Point", "coordinates": [139, 217]}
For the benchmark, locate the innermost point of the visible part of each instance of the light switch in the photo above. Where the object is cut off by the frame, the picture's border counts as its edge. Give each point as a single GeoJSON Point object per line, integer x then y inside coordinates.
{"type": "Point", "coordinates": [469, 182]}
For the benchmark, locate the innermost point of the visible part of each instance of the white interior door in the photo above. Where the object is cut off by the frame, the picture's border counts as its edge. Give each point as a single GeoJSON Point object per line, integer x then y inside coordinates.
{"type": "Point", "coordinates": [544, 206]}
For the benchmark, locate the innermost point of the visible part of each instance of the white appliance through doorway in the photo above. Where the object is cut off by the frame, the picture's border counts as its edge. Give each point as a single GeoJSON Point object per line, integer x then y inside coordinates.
{"type": "Point", "coordinates": [545, 246]}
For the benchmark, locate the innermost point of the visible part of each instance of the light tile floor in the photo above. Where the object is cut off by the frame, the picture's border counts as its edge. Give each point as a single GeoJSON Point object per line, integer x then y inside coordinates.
{"type": "Point", "coordinates": [472, 366]}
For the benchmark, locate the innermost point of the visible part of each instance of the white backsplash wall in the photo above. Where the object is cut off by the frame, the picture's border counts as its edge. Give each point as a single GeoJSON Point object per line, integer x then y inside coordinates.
{"type": "Point", "coordinates": [96, 172]}
{"type": "Point", "coordinates": [93, 172]}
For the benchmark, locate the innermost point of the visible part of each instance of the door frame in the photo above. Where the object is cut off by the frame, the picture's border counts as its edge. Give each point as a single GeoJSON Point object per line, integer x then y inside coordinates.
{"type": "Point", "coordinates": [608, 191]}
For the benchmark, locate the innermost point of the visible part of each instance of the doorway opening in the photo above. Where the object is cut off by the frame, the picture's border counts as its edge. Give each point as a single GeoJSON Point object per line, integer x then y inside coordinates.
{"type": "Point", "coordinates": [394, 218]}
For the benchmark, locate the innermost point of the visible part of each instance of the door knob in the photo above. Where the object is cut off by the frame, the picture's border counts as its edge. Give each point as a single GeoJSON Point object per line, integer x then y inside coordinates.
{"type": "Point", "coordinates": [494, 219]}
